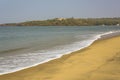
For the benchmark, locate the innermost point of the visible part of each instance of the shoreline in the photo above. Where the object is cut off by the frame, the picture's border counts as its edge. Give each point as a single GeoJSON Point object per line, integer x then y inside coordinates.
{"type": "Point", "coordinates": [57, 61]}
{"type": "Point", "coordinates": [99, 37]}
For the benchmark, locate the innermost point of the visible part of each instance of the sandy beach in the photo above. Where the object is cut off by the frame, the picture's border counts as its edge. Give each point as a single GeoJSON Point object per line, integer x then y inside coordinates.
{"type": "Point", "coordinates": [100, 61]}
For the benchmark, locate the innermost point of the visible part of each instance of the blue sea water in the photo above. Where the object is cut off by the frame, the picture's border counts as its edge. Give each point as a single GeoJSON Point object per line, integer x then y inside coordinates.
{"type": "Point", "coordinates": [23, 47]}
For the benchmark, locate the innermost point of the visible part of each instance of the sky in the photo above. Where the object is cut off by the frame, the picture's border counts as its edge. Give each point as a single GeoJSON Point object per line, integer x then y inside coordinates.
{"type": "Point", "coordinates": [27, 10]}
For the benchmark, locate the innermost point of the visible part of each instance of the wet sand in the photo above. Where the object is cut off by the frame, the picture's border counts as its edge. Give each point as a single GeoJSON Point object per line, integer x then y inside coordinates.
{"type": "Point", "coordinates": [100, 61]}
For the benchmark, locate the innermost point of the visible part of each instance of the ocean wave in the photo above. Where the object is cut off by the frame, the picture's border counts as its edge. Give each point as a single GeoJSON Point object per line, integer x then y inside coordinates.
{"type": "Point", "coordinates": [36, 58]}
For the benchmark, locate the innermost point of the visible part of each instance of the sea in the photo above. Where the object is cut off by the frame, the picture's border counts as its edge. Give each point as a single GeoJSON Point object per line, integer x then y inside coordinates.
{"type": "Point", "coordinates": [22, 47]}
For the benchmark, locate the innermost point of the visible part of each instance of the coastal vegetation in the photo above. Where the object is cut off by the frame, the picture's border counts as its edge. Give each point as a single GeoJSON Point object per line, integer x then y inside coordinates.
{"type": "Point", "coordinates": [68, 22]}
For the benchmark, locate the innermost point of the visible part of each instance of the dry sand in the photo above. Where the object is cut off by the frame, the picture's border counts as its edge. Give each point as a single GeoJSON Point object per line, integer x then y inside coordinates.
{"type": "Point", "coordinates": [100, 61]}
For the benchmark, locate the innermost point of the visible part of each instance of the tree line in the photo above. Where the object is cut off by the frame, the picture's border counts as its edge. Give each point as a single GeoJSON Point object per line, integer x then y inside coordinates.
{"type": "Point", "coordinates": [68, 22]}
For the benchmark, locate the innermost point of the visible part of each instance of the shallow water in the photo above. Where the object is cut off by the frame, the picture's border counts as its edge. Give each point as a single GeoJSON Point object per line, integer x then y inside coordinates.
{"type": "Point", "coordinates": [22, 47]}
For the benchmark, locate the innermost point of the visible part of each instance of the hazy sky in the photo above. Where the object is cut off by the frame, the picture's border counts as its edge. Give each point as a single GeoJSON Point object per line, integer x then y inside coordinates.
{"type": "Point", "coordinates": [25, 10]}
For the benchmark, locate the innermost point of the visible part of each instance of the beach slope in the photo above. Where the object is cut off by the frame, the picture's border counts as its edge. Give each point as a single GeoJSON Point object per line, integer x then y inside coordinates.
{"type": "Point", "coordinates": [100, 61]}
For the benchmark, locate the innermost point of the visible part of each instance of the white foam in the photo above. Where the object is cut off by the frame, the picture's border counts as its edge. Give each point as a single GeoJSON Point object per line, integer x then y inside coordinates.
{"type": "Point", "coordinates": [58, 52]}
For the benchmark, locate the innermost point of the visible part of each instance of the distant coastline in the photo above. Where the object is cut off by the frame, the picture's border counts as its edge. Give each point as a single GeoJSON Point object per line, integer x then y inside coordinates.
{"type": "Point", "coordinates": [69, 22]}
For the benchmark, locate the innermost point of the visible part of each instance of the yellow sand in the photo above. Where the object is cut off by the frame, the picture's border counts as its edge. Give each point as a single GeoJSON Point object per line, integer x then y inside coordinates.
{"type": "Point", "coordinates": [100, 61]}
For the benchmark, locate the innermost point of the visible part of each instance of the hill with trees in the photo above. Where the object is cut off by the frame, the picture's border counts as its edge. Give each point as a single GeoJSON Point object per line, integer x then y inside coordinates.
{"type": "Point", "coordinates": [68, 22]}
